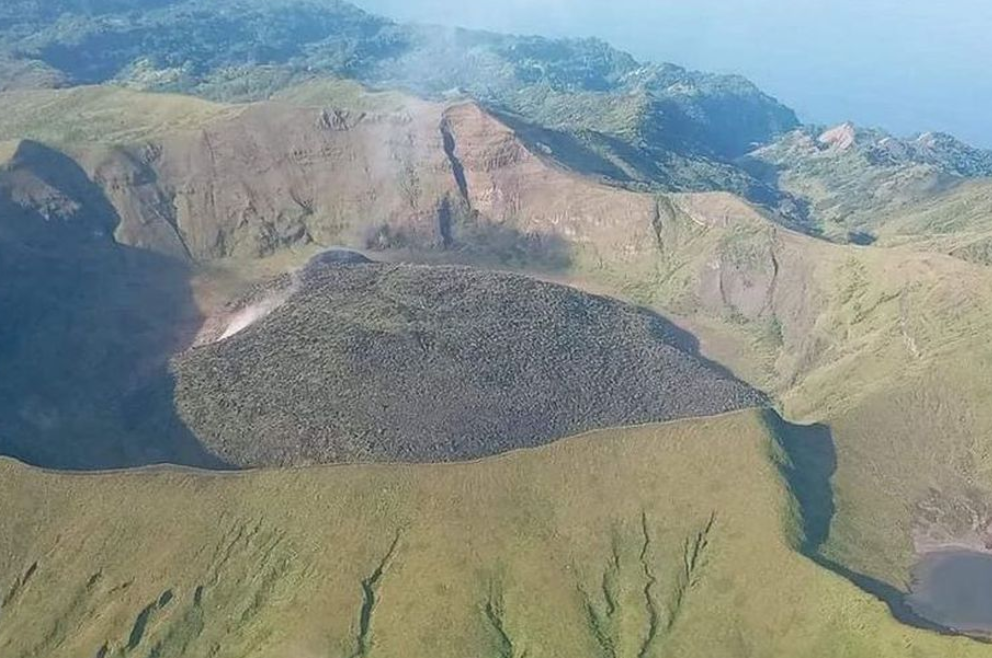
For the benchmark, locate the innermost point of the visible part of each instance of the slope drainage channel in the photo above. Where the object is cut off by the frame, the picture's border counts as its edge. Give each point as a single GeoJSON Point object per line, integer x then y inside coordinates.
{"type": "Point", "coordinates": [954, 589]}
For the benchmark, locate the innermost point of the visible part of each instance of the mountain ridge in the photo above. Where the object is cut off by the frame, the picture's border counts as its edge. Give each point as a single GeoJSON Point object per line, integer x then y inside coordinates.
{"type": "Point", "coordinates": [662, 127]}
{"type": "Point", "coordinates": [851, 180]}
{"type": "Point", "coordinates": [656, 110]}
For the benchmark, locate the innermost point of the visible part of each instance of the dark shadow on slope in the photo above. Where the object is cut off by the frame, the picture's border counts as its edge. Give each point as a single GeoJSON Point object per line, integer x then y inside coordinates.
{"type": "Point", "coordinates": [474, 242]}
{"type": "Point", "coordinates": [861, 238]}
{"type": "Point", "coordinates": [811, 463]}
{"type": "Point", "coordinates": [683, 339]}
{"type": "Point", "coordinates": [761, 170]}
{"type": "Point", "coordinates": [489, 243]}
{"type": "Point", "coordinates": [86, 328]}
{"type": "Point", "coordinates": [892, 596]}
{"type": "Point", "coordinates": [565, 148]}
{"type": "Point", "coordinates": [792, 211]}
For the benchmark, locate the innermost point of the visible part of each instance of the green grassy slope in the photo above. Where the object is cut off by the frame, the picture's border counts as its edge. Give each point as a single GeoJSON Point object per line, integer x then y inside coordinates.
{"type": "Point", "coordinates": [886, 346]}
{"type": "Point", "coordinates": [963, 209]}
{"type": "Point", "coordinates": [345, 94]}
{"type": "Point", "coordinates": [8, 149]}
{"type": "Point", "coordinates": [661, 541]}
{"type": "Point", "coordinates": [851, 184]}
{"type": "Point", "coordinates": [914, 468]}
{"type": "Point", "coordinates": [797, 313]}
{"type": "Point", "coordinates": [109, 115]}
{"type": "Point", "coordinates": [102, 115]}
{"type": "Point", "coordinates": [956, 222]}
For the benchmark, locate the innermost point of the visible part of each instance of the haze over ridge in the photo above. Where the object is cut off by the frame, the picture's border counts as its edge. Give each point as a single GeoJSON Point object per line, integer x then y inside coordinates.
{"type": "Point", "coordinates": [908, 67]}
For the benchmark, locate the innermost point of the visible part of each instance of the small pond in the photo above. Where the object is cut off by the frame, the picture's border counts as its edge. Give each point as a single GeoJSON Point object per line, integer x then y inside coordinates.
{"type": "Point", "coordinates": [954, 589]}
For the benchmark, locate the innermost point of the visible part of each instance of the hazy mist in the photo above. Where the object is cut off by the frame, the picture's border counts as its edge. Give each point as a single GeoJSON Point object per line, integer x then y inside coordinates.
{"type": "Point", "coordinates": [906, 65]}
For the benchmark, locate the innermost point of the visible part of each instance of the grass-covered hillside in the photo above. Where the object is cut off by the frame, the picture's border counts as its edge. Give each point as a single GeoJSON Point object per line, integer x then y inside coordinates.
{"type": "Point", "coordinates": [885, 345]}
{"type": "Point", "coordinates": [432, 364]}
{"type": "Point", "coordinates": [671, 540]}
{"type": "Point", "coordinates": [957, 221]}
{"type": "Point", "coordinates": [850, 184]}
{"type": "Point", "coordinates": [159, 158]}
{"type": "Point", "coordinates": [102, 116]}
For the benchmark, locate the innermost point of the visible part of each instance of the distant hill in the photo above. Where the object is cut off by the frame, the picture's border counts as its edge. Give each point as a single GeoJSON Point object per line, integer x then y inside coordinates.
{"type": "Point", "coordinates": [655, 126]}
{"type": "Point", "coordinates": [412, 363]}
{"type": "Point", "coordinates": [649, 126]}
{"type": "Point", "coordinates": [955, 221]}
{"type": "Point", "coordinates": [850, 182]}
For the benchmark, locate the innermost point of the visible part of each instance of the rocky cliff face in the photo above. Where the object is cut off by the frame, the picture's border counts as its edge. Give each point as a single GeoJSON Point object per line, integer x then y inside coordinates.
{"type": "Point", "coordinates": [279, 176]}
{"type": "Point", "coordinates": [517, 184]}
{"type": "Point", "coordinates": [427, 176]}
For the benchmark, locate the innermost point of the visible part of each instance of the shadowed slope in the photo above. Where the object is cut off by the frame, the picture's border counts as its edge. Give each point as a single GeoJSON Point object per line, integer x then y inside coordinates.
{"type": "Point", "coordinates": [86, 326]}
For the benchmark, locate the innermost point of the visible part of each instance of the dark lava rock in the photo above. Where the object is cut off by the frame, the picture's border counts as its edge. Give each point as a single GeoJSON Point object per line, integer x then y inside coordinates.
{"type": "Point", "coordinates": [424, 364]}
{"type": "Point", "coordinates": [335, 257]}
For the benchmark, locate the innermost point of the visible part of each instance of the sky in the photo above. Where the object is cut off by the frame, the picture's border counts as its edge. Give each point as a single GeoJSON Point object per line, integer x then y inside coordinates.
{"type": "Point", "coordinates": [908, 66]}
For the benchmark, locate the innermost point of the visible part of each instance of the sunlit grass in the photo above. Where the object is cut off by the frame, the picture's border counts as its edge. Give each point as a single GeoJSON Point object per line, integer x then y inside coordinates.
{"type": "Point", "coordinates": [668, 540]}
